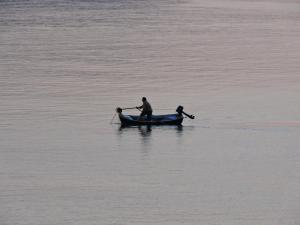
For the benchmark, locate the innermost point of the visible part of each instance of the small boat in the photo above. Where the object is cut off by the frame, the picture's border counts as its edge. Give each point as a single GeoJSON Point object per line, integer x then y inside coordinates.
{"type": "Point", "coordinates": [167, 119]}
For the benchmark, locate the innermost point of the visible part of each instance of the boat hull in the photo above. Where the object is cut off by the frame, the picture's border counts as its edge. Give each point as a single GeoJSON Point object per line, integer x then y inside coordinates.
{"type": "Point", "coordinates": [169, 119]}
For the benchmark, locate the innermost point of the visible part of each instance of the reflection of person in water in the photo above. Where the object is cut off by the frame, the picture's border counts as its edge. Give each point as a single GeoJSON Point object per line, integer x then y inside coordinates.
{"type": "Point", "coordinates": [145, 131]}
{"type": "Point", "coordinates": [146, 109]}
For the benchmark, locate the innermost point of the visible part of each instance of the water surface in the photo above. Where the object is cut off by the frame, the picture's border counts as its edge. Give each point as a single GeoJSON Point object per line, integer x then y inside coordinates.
{"type": "Point", "coordinates": [66, 65]}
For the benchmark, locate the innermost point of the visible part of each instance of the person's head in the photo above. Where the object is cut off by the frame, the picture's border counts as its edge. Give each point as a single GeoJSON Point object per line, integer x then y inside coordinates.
{"type": "Point", "coordinates": [144, 99]}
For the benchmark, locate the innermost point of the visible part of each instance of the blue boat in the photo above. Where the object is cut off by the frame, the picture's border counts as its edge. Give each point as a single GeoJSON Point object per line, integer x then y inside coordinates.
{"type": "Point", "coordinates": [167, 119]}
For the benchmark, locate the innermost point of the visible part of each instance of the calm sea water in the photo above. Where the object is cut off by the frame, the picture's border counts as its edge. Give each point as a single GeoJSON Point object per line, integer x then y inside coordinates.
{"type": "Point", "coordinates": [66, 65]}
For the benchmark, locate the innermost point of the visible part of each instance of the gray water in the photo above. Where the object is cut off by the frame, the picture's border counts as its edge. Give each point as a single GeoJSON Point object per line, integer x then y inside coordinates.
{"type": "Point", "coordinates": [66, 65]}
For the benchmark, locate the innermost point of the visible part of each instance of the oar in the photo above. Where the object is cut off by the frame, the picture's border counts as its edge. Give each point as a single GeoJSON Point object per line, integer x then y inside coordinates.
{"type": "Point", "coordinates": [131, 108]}
{"type": "Point", "coordinates": [113, 117]}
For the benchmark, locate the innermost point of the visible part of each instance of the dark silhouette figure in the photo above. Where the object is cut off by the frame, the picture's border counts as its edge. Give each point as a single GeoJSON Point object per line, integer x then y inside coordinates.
{"type": "Point", "coordinates": [146, 109]}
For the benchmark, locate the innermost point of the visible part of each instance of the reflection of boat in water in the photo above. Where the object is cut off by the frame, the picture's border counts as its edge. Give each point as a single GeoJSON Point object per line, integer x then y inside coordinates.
{"type": "Point", "coordinates": [167, 119]}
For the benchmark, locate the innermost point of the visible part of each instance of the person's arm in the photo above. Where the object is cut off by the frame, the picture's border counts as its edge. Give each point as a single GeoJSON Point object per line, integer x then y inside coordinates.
{"type": "Point", "coordinates": [139, 107]}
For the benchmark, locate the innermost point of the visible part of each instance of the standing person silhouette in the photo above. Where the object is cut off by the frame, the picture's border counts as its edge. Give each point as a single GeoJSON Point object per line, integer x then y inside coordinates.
{"type": "Point", "coordinates": [146, 109]}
